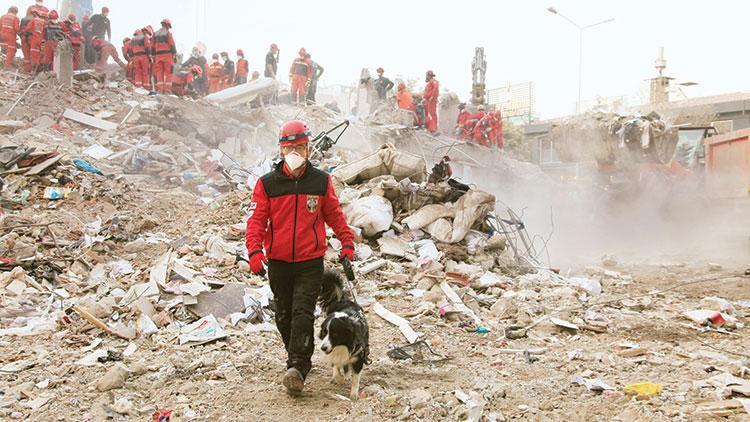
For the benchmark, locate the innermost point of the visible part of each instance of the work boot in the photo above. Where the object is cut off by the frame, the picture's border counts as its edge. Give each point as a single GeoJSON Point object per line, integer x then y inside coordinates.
{"type": "Point", "coordinates": [293, 382]}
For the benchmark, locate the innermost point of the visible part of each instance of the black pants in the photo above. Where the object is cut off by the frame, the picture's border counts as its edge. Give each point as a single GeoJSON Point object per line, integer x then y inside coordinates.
{"type": "Point", "coordinates": [296, 287]}
{"type": "Point", "coordinates": [311, 91]}
{"type": "Point", "coordinates": [241, 80]}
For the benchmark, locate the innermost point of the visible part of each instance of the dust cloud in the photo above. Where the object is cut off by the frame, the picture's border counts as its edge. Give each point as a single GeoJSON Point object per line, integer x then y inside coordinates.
{"type": "Point", "coordinates": [664, 220]}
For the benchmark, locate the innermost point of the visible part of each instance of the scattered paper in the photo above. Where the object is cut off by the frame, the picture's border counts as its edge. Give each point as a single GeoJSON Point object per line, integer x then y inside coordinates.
{"type": "Point", "coordinates": [402, 324]}
{"type": "Point", "coordinates": [202, 331]}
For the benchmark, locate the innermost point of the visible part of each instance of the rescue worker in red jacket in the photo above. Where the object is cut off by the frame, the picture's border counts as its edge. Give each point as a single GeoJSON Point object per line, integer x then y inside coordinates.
{"type": "Point", "coordinates": [139, 48]}
{"type": "Point", "coordinates": [183, 81]}
{"type": "Point", "coordinates": [10, 26]}
{"type": "Point", "coordinates": [105, 49]}
{"type": "Point", "coordinates": [496, 134]}
{"type": "Point", "coordinates": [488, 129]}
{"type": "Point", "coordinates": [243, 68]}
{"type": "Point", "coordinates": [431, 94]}
{"type": "Point", "coordinates": [36, 36]}
{"type": "Point", "coordinates": [127, 55]}
{"type": "Point", "coordinates": [164, 56]}
{"type": "Point", "coordinates": [475, 118]}
{"type": "Point", "coordinates": [292, 205]}
{"type": "Point", "coordinates": [463, 117]}
{"type": "Point", "coordinates": [39, 7]}
{"type": "Point", "coordinates": [53, 34]}
{"type": "Point", "coordinates": [72, 30]}
{"type": "Point", "coordinates": [300, 72]}
{"type": "Point", "coordinates": [215, 74]}
{"type": "Point", "coordinates": [148, 33]}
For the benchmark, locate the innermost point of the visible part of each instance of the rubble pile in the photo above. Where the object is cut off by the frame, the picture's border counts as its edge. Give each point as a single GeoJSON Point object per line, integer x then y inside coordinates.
{"type": "Point", "coordinates": [125, 291]}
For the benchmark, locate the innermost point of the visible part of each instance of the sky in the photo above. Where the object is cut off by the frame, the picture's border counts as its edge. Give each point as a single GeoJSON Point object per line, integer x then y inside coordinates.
{"type": "Point", "coordinates": [523, 42]}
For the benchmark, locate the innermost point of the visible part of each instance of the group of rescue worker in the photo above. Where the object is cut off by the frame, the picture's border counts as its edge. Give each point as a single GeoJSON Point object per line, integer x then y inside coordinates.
{"type": "Point", "coordinates": [424, 105]}
{"type": "Point", "coordinates": [480, 127]}
{"type": "Point", "coordinates": [40, 32]}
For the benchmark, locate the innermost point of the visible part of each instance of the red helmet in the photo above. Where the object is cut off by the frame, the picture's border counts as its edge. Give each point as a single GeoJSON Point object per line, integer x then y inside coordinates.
{"type": "Point", "coordinates": [240, 53]}
{"type": "Point", "coordinates": [72, 17]}
{"type": "Point", "coordinates": [13, 9]}
{"type": "Point", "coordinates": [294, 132]}
{"type": "Point", "coordinates": [149, 30]}
{"type": "Point", "coordinates": [197, 70]}
{"type": "Point", "coordinates": [53, 15]}
{"type": "Point", "coordinates": [166, 22]}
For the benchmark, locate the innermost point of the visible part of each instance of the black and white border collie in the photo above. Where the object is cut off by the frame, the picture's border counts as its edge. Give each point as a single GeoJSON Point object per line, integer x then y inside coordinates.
{"type": "Point", "coordinates": [344, 331]}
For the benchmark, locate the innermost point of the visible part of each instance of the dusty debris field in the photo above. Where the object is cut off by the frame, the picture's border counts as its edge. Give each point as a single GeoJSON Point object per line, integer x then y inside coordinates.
{"type": "Point", "coordinates": [113, 239]}
{"type": "Point", "coordinates": [235, 378]}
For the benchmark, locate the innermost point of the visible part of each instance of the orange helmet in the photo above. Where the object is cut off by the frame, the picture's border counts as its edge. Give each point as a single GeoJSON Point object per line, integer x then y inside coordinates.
{"type": "Point", "coordinates": [197, 70]}
{"type": "Point", "coordinates": [53, 15]}
{"type": "Point", "coordinates": [294, 132]}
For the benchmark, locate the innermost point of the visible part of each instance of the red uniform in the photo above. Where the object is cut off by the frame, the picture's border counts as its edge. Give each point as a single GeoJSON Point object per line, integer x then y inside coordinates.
{"type": "Point", "coordinates": [43, 11]}
{"type": "Point", "coordinates": [106, 50]}
{"type": "Point", "coordinates": [301, 72]}
{"type": "Point", "coordinates": [473, 120]}
{"type": "Point", "coordinates": [36, 36]}
{"type": "Point", "coordinates": [283, 205]}
{"type": "Point", "coordinates": [164, 51]}
{"type": "Point", "coordinates": [127, 54]}
{"type": "Point", "coordinates": [139, 48]}
{"type": "Point", "coordinates": [463, 117]}
{"type": "Point", "coordinates": [243, 70]}
{"type": "Point", "coordinates": [215, 77]}
{"type": "Point", "coordinates": [10, 25]}
{"type": "Point", "coordinates": [73, 30]}
{"type": "Point", "coordinates": [489, 130]}
{"type": "Point", "coordinates": [181, 82]}
{"type": "Point", "coordinates": [431, 93]}
{"type": "Point", "coordinates": [53, 33]}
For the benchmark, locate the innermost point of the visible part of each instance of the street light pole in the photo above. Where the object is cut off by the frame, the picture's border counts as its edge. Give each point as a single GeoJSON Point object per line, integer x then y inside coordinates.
{"type": "Point", "coordinates": [580, 46]}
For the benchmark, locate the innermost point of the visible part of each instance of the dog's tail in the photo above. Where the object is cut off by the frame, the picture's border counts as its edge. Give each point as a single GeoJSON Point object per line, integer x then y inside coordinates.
{"type": "Point", "coordinates": [332, 290]}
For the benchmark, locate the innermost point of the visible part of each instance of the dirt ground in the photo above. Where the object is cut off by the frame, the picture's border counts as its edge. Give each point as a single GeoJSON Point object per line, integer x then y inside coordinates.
{"type": "Point", "coordinates": [239, 377]}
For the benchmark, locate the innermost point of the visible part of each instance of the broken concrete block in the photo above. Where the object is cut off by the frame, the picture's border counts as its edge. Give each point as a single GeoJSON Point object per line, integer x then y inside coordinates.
{"type": "Point", "coordinates": [115, 377]}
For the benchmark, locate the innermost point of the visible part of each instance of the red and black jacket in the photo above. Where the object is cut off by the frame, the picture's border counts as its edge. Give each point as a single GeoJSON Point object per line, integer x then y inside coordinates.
{"type": "Point", "coordinates": [290, 216]}
{"type": "Point", "coordinates": [73, 29]}
{"type": "Point", "coordinates": [139, 46]}
{"type": "Point", "coordinates": [163, 44]}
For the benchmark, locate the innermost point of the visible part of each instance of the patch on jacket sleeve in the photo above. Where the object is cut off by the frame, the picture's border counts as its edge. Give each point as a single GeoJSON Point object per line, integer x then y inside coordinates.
{"type": "Point", "coordinates": [312, 203]}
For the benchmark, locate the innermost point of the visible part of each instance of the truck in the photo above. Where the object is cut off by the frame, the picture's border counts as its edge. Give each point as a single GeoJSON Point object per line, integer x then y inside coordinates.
{"type": "Point", "coordinates": [727, 158]}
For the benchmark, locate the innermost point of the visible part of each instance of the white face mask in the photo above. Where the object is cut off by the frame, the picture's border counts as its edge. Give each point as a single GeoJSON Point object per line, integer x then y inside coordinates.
{"type": "Point", "coordinates": [294, 160]}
